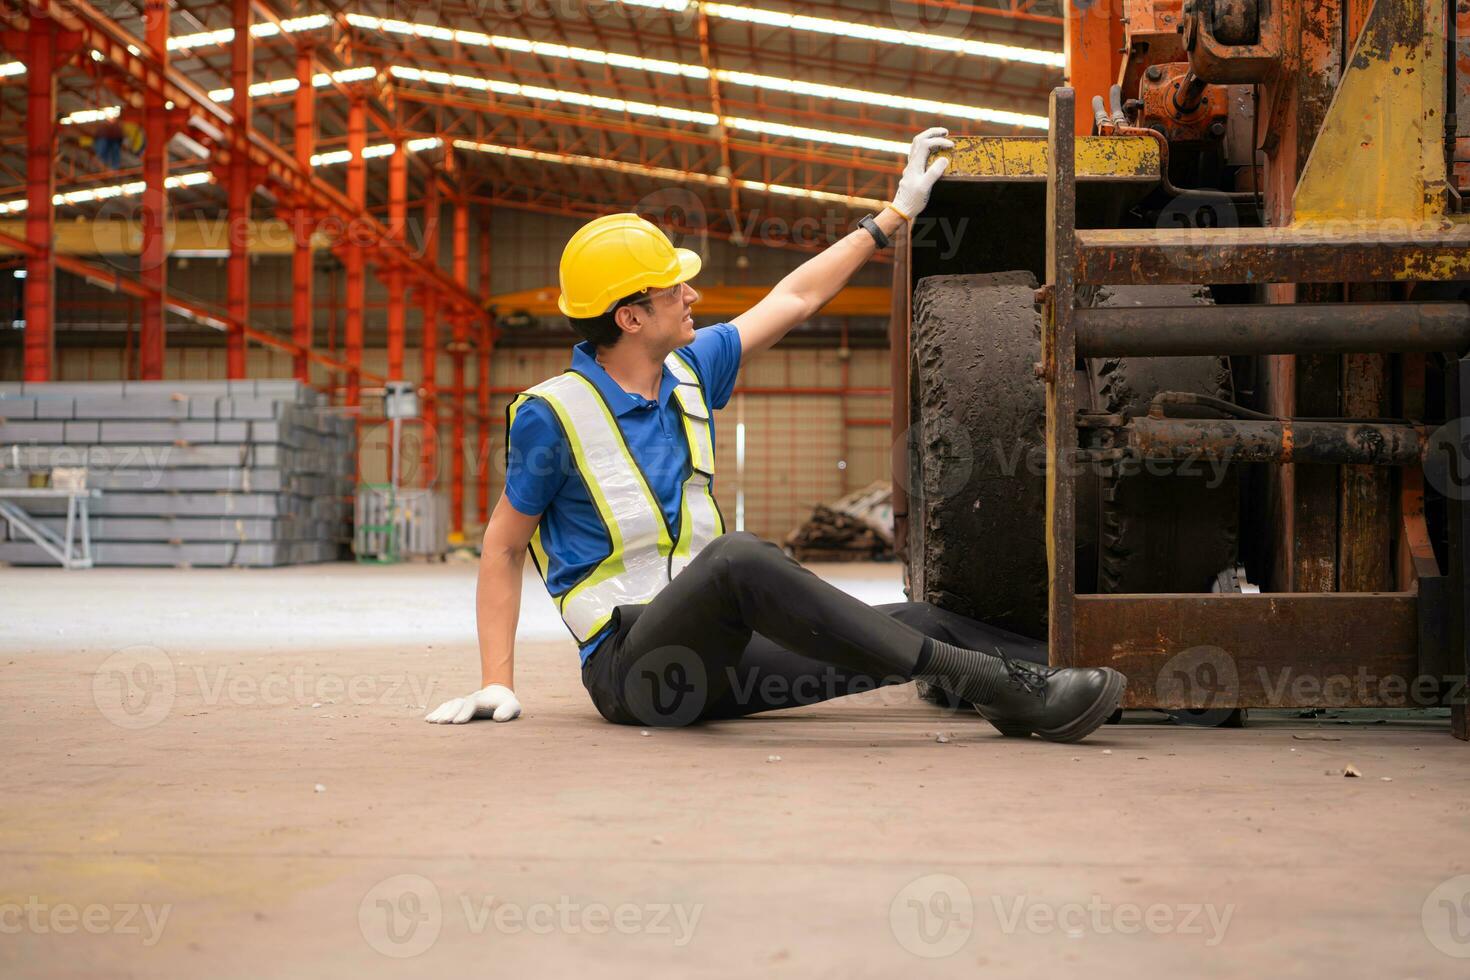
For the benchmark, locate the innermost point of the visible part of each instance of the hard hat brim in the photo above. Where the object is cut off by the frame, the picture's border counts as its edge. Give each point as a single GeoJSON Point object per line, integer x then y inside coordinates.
{"type": "Point", "coordinates": [689, 264]}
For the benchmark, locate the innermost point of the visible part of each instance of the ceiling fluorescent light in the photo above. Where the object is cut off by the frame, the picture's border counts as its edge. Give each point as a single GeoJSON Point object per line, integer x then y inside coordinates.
{"type": "Point", "coordinates": [667, 173]}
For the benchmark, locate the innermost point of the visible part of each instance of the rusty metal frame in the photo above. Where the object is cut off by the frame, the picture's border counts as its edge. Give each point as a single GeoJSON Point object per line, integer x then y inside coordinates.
{"type": "Point", "coordinates": [1352, 648]}
{"type": "Point", "coordinates": [1058, 355]}
{"type": "Point", "coordinates": [1288, 328]}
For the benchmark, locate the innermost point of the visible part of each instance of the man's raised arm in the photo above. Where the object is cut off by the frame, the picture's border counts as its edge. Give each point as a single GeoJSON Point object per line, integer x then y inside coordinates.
{"type": "Point", "coordinates": [810, 286]}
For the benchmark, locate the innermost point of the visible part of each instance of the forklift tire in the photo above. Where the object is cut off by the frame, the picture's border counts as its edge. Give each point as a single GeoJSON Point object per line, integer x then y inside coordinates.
{"type": "Point", "coordinates": [975, 450]}
{"type": "Point", "coordinates": [976, 462]}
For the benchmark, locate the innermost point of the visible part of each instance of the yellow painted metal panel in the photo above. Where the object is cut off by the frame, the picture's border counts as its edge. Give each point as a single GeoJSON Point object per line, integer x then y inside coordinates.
{"type": "Point", "coordinates": [1380, 152]}
{"type": "Point", "coordinates": [1025, 158]}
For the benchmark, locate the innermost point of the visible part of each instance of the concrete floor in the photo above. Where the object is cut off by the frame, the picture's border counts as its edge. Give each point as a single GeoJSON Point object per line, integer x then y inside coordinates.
{"type": "Point", "coordinates": [224, 773]}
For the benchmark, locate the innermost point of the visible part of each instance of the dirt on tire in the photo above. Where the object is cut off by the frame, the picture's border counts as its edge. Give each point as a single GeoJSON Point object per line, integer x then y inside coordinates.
{"type": "Point", "coordinates": [976, 444]}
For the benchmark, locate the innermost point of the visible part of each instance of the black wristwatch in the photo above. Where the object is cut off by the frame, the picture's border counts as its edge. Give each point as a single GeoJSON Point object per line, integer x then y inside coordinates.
{"type": "Point", "coordinates": [866, 221]}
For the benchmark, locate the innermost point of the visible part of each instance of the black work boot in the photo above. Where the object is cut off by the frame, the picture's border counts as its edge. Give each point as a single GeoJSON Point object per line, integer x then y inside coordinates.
{"type": "Point", "coordinates": [1061, 704]}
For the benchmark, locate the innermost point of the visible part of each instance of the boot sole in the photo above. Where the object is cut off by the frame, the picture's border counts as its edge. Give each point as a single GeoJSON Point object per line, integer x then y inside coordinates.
{"type": "Point", "coordinates": [1084, 724]}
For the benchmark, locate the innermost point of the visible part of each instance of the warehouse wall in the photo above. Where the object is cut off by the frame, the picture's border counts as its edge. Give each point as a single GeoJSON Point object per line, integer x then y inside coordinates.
{"type": "Point", "coordinates": [800, 450]}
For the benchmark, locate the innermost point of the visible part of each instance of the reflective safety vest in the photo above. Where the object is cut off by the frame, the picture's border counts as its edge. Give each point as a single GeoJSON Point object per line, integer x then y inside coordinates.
{"type": "Point", "coordinates": [646, 552]}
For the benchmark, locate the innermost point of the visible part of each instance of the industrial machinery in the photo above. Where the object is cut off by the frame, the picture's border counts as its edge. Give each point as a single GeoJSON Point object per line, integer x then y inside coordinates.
{"type": "Point", "coordinates": [1187, 382]}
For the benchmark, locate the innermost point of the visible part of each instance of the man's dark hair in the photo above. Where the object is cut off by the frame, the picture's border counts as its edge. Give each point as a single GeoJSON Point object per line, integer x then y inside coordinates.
{"type": "Point", "coordinates": [603, 331]}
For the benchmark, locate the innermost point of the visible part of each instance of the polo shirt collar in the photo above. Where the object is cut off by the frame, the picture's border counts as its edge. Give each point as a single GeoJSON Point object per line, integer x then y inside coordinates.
{"type": "Point", "coordinates": [584, 361]}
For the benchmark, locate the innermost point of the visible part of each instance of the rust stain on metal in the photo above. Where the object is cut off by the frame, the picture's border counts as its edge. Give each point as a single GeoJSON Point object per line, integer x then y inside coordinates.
{"type": "Point", "coordinates": [1329, 252]}
{"type": "Point", "coordinates": [1156, 639]}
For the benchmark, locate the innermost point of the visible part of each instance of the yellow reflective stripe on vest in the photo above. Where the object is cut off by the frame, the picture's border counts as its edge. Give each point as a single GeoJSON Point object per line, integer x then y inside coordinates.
{"type": "Point", "coordinates": [699, 517]}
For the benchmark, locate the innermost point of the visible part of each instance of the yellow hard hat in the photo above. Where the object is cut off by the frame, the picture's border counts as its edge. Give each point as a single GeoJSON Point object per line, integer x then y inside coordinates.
{"type": "Point", "coordinates": [616, 256]}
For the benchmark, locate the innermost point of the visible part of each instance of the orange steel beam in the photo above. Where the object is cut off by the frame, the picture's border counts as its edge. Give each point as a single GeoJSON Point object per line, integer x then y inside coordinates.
{"type": "Point", "coordinates": [241, 186]}
{"type": "Point", "coordinates": [40, 293]}
{"type": "Point", "coordinates": [397, 223]}
{"type": "Point", "coordinates": [430, 353]}
{"type": "Point", "coordinates": [715, 107]}
{"type": "Point", "coordinates": [354, 258]}
{"type": "Point", "coordinates": [296, 350]}
{"type": "Point", "coordinates": [301, 258]}
{"type": "Point", "coordinates": [393, 278]}
{"type": "Point", "coordinates": [134, 58]}
{"type": "Point", "coordinates": [457, 351]}
{"type": "Point", "coordinates": [1093, 42]}
{"type": "Point", "coordinates": [482, 377]}
{"type": "Point", "coordinates": [153, 258]}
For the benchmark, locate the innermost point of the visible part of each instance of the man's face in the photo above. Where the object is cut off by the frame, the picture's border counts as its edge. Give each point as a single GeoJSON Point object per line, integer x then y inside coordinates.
{"type": "Point", "coordinates": [665, 319]}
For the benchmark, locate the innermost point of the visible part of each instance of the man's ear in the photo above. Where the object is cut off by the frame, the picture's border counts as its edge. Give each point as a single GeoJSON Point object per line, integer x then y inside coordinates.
{"type": "Point", "coordinates": [627, 319]}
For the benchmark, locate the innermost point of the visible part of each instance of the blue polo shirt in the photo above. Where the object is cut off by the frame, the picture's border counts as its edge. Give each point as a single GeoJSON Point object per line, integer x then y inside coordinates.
{"type": "Point", "coordinates": [541, 476]}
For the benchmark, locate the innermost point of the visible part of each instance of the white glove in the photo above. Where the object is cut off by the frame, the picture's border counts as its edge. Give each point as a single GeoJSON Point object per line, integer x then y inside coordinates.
{"type": "Point", "coordinates": [917, 181]}
{"type": "Point", "coordinates": [496, 701]}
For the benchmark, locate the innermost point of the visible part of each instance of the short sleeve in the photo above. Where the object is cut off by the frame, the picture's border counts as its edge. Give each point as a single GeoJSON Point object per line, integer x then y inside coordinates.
{"type": "Point", "coordinates": [716, 356]}
{"type": "Point", "coordinates": [536, 459]}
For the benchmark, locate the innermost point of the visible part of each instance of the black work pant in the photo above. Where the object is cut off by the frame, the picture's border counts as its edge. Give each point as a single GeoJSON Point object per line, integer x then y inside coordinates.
{"type": "Point", "coordinates": [745, 628]}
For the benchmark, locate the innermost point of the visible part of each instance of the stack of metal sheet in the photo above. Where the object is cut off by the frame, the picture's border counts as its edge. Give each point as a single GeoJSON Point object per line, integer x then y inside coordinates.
{"type": "Point", "coordinates": [191, 472]}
